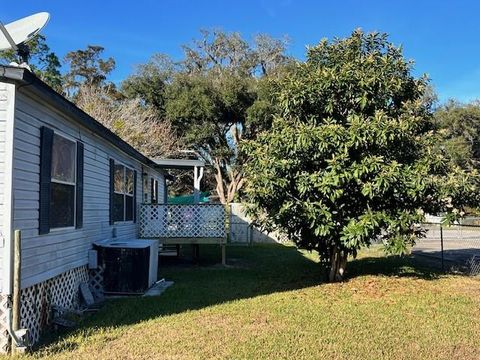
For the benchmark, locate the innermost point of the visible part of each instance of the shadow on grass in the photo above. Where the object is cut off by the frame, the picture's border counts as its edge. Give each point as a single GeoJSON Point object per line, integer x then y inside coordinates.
{"type": "Point", "coordinates": [400, 266]}
{"type": "Point", "coordinates": [252, 271]}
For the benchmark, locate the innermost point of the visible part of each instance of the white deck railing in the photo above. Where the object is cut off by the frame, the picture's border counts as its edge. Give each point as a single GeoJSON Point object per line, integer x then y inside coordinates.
{"type": "Point", "coordinates": [182, 221]}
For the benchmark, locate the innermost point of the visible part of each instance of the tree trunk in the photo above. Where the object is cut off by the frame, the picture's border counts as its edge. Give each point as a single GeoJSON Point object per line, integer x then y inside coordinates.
{"type": "Point", "coordinates": [236, 182]}
{"type": "Point", "coordinates": [227, 188]}
{"type": "Point", "coordinates": [338, 263]}
{"type": "Point", "coordinates": [219, 180]}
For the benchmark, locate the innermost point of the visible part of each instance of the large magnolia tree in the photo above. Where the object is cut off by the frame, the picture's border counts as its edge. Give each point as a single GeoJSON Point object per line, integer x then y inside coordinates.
{"type": "Point", "coordinates": [351, 156]}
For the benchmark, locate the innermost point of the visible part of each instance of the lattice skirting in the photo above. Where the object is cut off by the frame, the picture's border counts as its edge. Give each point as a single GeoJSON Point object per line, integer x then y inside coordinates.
{"type": "Point", "coordinates": [96, 281]}
{"type": "Point", "coordinates": [37, 301]}
{"type": "Point", "coordinates": [4, 337]}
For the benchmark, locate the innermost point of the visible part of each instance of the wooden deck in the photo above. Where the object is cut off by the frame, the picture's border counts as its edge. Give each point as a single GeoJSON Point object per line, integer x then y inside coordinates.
{"type": "Point", "coordinates": [185, 224]}
{"type": "Point", "coordinates": [191, 240]}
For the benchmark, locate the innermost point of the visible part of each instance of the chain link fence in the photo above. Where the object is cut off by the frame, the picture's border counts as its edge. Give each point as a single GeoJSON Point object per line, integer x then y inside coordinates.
{"type": "Point", "coordinates": [453, 248]}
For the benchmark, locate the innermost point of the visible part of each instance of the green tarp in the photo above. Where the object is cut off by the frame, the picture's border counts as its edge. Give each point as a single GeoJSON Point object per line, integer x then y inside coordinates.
{"type": "Point", "coordinates": [188, 199]}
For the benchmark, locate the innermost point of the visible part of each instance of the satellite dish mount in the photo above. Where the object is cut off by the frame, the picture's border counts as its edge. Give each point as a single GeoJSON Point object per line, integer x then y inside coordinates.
{"type": "Point", "coordinates": [16, 34]}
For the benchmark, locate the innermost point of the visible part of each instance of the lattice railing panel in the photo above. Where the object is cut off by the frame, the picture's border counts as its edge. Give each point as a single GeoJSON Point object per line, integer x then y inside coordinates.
{"type": "Point", "coordinates": [182, 221]}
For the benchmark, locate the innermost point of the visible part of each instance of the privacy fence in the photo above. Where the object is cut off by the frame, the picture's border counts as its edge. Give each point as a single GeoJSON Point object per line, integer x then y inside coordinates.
{"type": "Point", "coordinates": [242, 230]}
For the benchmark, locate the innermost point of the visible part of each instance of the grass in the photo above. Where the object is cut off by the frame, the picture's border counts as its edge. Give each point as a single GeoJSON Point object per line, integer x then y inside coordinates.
{"type": "Point", "coordinates": [270, 303]}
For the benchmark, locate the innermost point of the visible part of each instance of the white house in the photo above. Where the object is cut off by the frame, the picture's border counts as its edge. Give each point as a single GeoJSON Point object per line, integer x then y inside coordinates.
{"type": "Point", "coordinates": [66, 182]}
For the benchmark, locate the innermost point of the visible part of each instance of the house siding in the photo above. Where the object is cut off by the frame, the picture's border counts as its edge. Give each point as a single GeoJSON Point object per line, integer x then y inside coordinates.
{"type": "Point", "coordinates": [45, 256]}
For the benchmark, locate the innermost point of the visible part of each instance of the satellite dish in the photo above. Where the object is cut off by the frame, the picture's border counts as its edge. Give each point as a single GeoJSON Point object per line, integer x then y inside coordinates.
{"type": "Point", "coordinates": [17, 33]}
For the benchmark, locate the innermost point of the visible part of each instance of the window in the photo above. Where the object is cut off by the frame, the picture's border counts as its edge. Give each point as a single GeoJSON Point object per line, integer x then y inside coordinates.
{"type": "Point", "coordinates": [146, 191]}
{"type": "Point", "coordinates": [123, 197]}
{"type": "Point", "coordinates": [63, 182]}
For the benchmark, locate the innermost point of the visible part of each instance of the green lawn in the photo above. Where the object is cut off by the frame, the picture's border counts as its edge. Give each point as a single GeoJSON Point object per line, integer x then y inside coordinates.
{"type": "Point", "coordinates": [270, 304]}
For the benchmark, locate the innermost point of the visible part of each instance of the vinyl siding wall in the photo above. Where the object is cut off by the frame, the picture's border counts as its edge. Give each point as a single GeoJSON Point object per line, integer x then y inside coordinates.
{"type": "Point", "coordinates": [45, 256]}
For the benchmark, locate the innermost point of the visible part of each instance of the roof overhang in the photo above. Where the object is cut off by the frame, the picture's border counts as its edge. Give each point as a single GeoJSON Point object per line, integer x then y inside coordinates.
{"type": "Point", "coordinates": [178, 163]}
{"type": "Point", "coordinates": [28, 80]}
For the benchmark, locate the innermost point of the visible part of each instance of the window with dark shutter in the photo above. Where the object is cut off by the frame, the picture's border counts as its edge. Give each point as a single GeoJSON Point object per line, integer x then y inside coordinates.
{"type": "Point", "coordinates": [61, 182]}
{"type": "Point", "coordinates": [123, 197]}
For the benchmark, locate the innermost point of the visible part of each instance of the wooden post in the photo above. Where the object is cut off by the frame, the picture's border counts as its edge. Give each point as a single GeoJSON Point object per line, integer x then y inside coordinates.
{"type": "Point", "coordinates": [230, 222]}
{"type": "Point", "coordinates": [17, 268]}
{"type": "Point", "coordinates": [441, 248]}
{"type": "Point", "coordinates": [224, 255]}
{"type": "Point", "coordinates": [196, 252]}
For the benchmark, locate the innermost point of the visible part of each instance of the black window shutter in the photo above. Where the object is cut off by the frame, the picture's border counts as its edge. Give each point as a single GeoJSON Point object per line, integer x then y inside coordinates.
{"type": "Point", "coordinates": [112, 175]}
{"type": "Point", "coordinates": [46, 143]}
{"type": "Point", "coordinates": [152, 193]}
{"type": "Point", "coordinates": [157, 200]}
{"type": "Point", "coordinates": [134, 196]}
{"type": "Point", "coordinates": [79, 194]}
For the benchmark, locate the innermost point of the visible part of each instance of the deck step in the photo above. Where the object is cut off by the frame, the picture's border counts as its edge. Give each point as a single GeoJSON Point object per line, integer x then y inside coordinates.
{"type": "Point", "coordinates": [167, 250]}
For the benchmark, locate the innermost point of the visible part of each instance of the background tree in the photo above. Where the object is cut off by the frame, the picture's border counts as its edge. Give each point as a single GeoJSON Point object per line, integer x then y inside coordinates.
{"type": "Point", "coordinates": [208, 112]}
{"type": "Point", "coordinates": [217, 95]}
{"type": "Point", "coordinates": [460, 124]}
{"type": "Point", "coordinates": [87, 67]}
{"type": "Point", "coordinates": [43, 62]}
{"type": "Point", "coordinates": [351, 154]}
{"type": "Point", "coordinates": [131, 120]}
{"type": "Point", "coordinates": [209, 97]}
{"type": "Point", "coordinates": [149, 82]}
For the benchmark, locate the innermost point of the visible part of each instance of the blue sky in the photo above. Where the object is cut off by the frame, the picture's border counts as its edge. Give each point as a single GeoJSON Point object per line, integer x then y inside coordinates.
{"type": "Point", "coordinates": [441, 36]}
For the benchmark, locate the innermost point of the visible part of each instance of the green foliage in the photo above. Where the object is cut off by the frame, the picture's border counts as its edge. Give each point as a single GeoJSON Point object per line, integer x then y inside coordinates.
{"type": "Point", "coordinates": [86, 67]}
{"type": "Point", "coordinates": [460, 124]}
{"type": "Point", "coordinates": [43, 62]}
{"type": "Point", "coordinates": [149, 82]}
{"type": "Point", "coordinates": [351, 157]}
{"type": "Point", "coordinates": [260, 114]}
{"type": "Point", "coordinates": [204, 108]}
{"type": "Point", "coordinates": [217, 95]}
